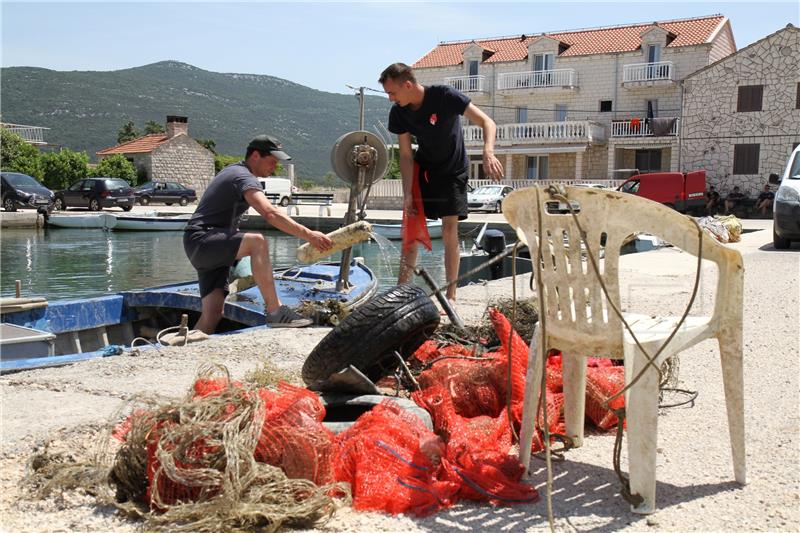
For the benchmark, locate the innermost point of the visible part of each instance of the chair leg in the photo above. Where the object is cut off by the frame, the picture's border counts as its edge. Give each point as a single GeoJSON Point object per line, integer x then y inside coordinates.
{"type": "Point", "coordinates": [530, 399]}
{"type": "Point", "coordinates": [642, 418]}
{"type": "Point", "coordinates": [574, 371]}
{"type": "Point", "coordinates": [730, 350]}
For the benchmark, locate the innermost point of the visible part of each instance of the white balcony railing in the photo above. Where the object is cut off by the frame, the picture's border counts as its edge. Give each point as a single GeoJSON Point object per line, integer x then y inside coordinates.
{"type": "Point", "coordinates": [540, 132]}
{"type": "Point", "coordinates": [638, 127]}
{"type": "Point", "coordinates": [647, 72]}
{"type": "Point", "coordinates": [466, 84]}
{"type": "Point", "coordinates": [31, 134]}
{"type": "Point", "coordinates": [543, 78]}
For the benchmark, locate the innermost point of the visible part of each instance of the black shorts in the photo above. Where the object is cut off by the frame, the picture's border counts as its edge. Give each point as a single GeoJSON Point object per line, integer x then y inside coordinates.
{"type": "Point", "coordinates": [212, 253]}
{"type": "Point", "coordinates": [444, 196]}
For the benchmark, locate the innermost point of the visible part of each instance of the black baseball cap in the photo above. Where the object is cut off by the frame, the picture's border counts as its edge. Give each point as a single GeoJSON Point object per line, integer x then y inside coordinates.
{"type": "Point", "coordinates": [268, 143]}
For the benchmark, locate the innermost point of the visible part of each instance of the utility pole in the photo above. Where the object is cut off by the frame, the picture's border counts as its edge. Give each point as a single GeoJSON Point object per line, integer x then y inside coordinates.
{"type": "Point", "coordinates": [360, 96]}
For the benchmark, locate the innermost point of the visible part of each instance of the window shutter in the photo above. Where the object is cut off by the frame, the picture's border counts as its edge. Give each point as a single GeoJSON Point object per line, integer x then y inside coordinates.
{"type": "Point", "coordinates": [745, 158]}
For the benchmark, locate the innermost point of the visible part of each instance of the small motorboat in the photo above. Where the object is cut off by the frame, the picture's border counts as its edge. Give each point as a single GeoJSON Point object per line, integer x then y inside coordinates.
{"type": "Point", "coordinates": [148, 223]}
{"type": "Point", "coordinates": [394, 231]}
{"type": "Point", "coordinates": [84, 221]}
{"type": "Point", "coordinates": [35, 333]}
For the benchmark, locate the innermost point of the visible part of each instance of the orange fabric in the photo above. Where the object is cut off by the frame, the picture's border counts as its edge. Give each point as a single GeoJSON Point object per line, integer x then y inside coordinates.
{"type": "Point", "coordinates": [415, 229]}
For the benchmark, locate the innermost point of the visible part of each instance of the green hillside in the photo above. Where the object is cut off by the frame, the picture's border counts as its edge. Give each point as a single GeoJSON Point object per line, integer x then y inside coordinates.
{"type": "Point", "coordinates": [84, 110]}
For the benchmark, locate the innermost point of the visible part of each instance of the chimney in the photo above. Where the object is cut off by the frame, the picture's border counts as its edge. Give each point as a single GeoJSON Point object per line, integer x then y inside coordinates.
{"type": "Point", "coordinates": [177, 125]}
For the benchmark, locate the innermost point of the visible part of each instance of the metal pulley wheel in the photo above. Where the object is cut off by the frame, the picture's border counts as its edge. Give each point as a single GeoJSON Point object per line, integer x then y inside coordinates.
{"type": "Point", "coordinates": [360, 150]}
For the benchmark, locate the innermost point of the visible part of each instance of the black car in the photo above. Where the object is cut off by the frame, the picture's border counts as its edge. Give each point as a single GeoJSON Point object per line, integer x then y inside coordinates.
{"type": "Point", "coordinates": [20, 190]}
{"type": "Point", "coordinates": [169, 192]}
{"type": "Point", "coordinates": [96, 193]}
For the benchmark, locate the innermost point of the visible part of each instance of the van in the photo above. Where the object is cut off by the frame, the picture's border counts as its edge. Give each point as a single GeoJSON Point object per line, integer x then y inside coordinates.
{"type": "Point", "coordinates": [280, 186]}
{"type": "Point", "coordinates": [684, 192]}
{"type": "Point", "coordinates": [786, 209]}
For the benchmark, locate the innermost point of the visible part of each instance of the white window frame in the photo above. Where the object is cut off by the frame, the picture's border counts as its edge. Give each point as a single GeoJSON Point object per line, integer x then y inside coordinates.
{"type": "Point", "coordinates": [560, 112]}
{"type": "Point", "coordinates": [521, 115]}
{"type": "Point", "coordinates": [546, 62]}
{"type": "Point", "coordinates": [653, 53]}
{"type": "Point", "coordinates": [473, 63]}
{"type": "Point", "coordinates": [541, 165]}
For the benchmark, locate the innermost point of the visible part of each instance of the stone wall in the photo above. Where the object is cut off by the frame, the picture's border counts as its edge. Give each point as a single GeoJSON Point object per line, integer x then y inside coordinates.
{"type": "Point", "coordinates": [712, 126]}
{"type": "Point", "coordinates": [183, 160]}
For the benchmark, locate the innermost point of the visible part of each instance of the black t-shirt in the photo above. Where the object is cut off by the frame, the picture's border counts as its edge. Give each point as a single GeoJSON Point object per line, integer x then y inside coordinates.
{"type": "Point", "coordinates": [437, 127]}
{"type": "Point", "coordinates": [223, 202]}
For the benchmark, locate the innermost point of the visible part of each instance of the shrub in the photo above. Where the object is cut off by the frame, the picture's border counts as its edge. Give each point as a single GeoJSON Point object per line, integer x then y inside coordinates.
{"type": "Point", "coordinates": [116, 166]}
{"type": "Point", "coordinates": [64, 168]}
{"type": "Point", "coordinates": [16, 155]}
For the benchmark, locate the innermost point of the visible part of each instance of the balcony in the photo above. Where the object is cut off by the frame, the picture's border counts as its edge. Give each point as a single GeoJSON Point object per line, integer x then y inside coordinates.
{"type": "Point", "coordinates": [563, 78]}
{"type": "Point", "coordinates": [583, 131]}
{"type": "Point", "coordinates": [467, 84]}
{"type": "Point", "coordinates": [638, 127]}
{"type": "Point", "coordinates": [31, 134]}
{"type": "Point", "coordinates": [646, 73]}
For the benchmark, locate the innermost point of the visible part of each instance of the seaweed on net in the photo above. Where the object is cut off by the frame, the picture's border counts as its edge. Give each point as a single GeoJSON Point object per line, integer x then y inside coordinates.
{"type": "Point", "coordinates": [192, 461]}
{"type": "Point", "coordinates": [484, 333]}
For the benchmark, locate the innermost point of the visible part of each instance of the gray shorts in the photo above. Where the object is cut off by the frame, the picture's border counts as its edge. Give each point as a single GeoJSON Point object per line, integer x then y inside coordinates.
{"type": "Point", "coordinates": [212, 252]}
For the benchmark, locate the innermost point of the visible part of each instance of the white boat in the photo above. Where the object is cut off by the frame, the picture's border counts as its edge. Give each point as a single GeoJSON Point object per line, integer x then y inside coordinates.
{"type": "Point", "coordinates": [394, 231]}
{"type": "Point", "coordinates": [93, 220]}
{"type": "Point", "coordinates": [148, 223]}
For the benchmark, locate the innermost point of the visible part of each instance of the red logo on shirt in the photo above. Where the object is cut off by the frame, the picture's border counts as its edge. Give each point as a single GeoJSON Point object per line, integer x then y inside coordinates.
{"type": "Point", "coordinates": [433, 119]}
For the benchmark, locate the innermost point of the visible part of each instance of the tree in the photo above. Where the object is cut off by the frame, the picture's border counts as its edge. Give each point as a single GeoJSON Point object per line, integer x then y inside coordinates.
{"type": "Point", "coordinates": [393, 170]}
{"type": "Point", "coordinates": [116, 166]}
{"type": "Point", "coordinates": [63, 168]}
{"type": "Point", "coordinates": [127, 132]}
{"type": "Point", "coordinates": [151, 126]}
{"type": "Point", "coordinates": [307, 184]}
{"type": "Point", "coordinates": [329, 180]}
{"type": "Point", "coordinates": [208, 144]}
{"type": "Point", "coordinates": [221, 161]}
{"type": "Point", "coordinates": [17, 155]}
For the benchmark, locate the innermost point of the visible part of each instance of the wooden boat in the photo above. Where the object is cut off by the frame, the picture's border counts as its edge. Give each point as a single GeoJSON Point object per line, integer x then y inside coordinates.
{"type": "Point", "coordinates": [394, 231]}
{"type": "Point", "coordinates": [39, 334]}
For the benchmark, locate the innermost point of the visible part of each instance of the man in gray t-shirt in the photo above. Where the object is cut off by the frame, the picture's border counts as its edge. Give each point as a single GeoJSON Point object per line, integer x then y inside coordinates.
{"type": "Point", "coordinates": [213, 242]}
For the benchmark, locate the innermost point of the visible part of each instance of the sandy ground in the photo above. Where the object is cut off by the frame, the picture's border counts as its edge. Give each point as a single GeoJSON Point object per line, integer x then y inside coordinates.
{"type": "Point", "coordinates": [696, 490]}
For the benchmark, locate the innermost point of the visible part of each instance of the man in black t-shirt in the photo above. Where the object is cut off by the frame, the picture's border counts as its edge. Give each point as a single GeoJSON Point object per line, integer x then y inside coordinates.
{"type": "Point", "coordinates": [213, 243]}
{"type": "Point", "coordinates": [440, 167]}
{"type": "Point", "coordinates": [765, 200]}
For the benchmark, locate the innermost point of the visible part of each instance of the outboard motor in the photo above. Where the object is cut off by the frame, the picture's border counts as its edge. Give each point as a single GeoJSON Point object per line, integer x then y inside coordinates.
{"type": "Point", "coordinates": [494, 243]}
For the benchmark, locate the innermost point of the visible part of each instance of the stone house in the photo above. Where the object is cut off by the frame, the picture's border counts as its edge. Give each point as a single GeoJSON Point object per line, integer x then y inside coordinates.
{"type": "Point", "coordinates": [741, 115]}
{"type": "Point", "coordinates": [580, 104]}
{"type": "Point", "coordinates": [172, 156]}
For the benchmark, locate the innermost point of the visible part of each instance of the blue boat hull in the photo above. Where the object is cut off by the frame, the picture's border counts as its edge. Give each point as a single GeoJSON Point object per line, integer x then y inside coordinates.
{"type": "Point", "coordinates": [85, 328]}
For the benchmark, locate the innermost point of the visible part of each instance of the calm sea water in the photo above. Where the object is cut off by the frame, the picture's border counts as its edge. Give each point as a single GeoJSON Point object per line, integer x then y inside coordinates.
{"type": "Point", "coordinates": [61, 263]}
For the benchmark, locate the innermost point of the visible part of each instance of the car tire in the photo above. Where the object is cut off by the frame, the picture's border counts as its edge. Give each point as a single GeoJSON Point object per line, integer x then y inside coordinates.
{"type": "Point", "coordinates": [59, 204]}
{"type": "Point", "coordinates": [498, 207]}
{"type": "Point", "coordinates": [127, 207]}
{"type": "Point", "coordinates": [284, 201]}
{"type": "Point", "coordinates": [778, 242]}
{"type": "Point", "coordinates": [399, 319]}
{"type": "Point", "coordinates": [184, 201]}
{"type": "Point", "coordinates": [144, 200]}
{"type": "Point", "coordinates": [94, 205]}
{"type": "Point", "coordinates": [167, 203]}
{"type": "Point", "coordinates": [9, 204]}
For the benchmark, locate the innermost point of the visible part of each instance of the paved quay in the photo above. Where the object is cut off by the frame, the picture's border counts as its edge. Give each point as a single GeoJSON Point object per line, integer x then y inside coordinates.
{"type": "Point", "coordinates": [696, 491]}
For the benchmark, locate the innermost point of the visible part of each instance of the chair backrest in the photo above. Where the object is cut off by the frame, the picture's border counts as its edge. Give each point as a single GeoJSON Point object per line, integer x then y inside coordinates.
{"type": "Point", "coordinates": [578, 315]}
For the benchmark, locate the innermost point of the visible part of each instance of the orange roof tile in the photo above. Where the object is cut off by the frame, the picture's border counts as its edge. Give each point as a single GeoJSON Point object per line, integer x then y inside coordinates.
{"type": "Point", "coordinates": [139, 145]}
{"type": "Point", "coordinates": [687, 32]}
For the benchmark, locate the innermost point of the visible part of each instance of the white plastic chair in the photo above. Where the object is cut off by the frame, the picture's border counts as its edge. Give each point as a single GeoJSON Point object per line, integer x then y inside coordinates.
{"type": "Point", "coordinates": [580, 322]}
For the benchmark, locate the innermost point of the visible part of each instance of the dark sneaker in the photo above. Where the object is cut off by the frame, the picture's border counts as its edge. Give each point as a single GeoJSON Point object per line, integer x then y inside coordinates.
{"type": "Point", "coordinates": [286, 318]}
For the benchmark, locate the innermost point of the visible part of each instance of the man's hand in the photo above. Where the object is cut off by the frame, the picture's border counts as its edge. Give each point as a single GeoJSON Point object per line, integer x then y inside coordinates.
{"type": "Point", "coordinates": [408, 206]}
{"type": "Point", "coordinates": [492, 166]}
{"type": "Point", "coordinates": [320, 241]}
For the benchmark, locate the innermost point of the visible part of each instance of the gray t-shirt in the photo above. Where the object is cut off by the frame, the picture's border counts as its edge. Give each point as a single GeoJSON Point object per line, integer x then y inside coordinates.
{"type": "Point", "coordinates": [223, 203]}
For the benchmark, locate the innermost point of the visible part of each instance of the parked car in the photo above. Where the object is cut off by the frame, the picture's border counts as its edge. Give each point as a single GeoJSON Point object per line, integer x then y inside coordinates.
{"type": "Point", "coordinates": [488, 198]}
{"type": "Point", "coordinates": [169, 192]}
{"type": "Point", "coordinates": [682, 191]}
{"type": "Point", "coordinates": [96, 193]}
{"type": "Point", "coordinates": [786, 209]}
{"type": "Point", "coordinates": [20, 190]}
{"type": "Point", "coordinates": [281, 186]}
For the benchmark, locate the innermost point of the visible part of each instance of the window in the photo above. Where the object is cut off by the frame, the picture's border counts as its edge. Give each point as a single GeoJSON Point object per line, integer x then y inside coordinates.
{"type": "Point", "coordinates": [542, 62]}
{"type": "Point", "coordinates": [750, 98]}
{"type": "Point", "coordinates": [605, 106]}
{"type": "Point", "coordinates": [652, 108]}
{"type": "Point", "coordinates": [745, 158]}
{"type": "Point", "coordinates": [537, 167]}
{"type": "Point", "coordinates": [648, 160]}
{"type": "Point", "coordinates": [522, 115]}
{"type": "Point", "coordinates": [473, 68]}
{"type": "Point", "coordinates": [653, 53]}
{"type": "Point", "coordinates": [560, 114]}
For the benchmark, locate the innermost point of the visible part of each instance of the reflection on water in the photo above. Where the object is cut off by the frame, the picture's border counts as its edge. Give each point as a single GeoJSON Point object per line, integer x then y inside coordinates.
{"type": "Point", "coordinates": [61, 263]}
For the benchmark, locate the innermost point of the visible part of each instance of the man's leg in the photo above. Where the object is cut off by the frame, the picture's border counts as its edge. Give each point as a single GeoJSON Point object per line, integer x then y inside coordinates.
{"type": "Point", "coordinates": [211, 312]}
{"type": "Point", "coordinates": [452, 252]}
{"type": "Point", "coordinates": [408, 260]}
{"type": "Point", "coordinates": [255, 245]}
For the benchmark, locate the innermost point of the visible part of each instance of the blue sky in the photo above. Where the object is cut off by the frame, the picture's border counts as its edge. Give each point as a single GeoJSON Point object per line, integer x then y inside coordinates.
{"type": "Point", "coordinates": [323, 45]}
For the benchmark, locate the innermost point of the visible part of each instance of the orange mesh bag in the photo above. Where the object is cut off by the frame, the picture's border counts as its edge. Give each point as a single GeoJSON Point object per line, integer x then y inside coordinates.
{"type": "Point", "coordinates": [391, 461]}
{"type": "Point", "coordinates": [472, 385]}
{"type": "Point", "coordinates": [601, 383]}
{"type": "Point", "coordinates": [293, 436]}
{"type": "Point", "coordinates": [490, 476]}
